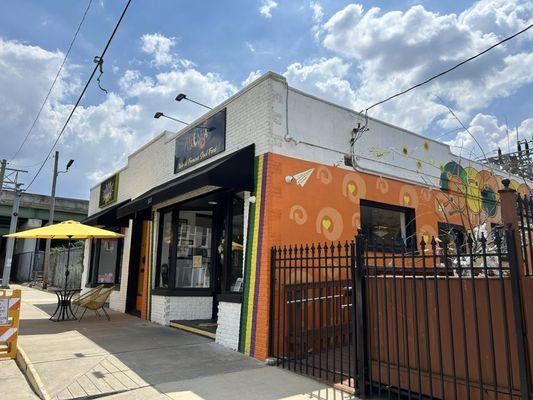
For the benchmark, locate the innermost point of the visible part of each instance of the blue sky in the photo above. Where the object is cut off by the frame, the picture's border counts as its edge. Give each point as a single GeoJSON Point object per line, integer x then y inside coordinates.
{"type": "Point", "coordinates": [353, 53]}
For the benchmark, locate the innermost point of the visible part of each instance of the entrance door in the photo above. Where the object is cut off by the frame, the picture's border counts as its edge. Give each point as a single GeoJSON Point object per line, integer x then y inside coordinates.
{"type": "Point", "coordinates": [140, 299]}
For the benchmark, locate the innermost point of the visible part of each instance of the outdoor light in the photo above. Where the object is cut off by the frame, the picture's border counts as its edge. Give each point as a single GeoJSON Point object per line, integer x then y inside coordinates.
{"type": "Point", "coordinates": [183, 96]}
{"type": "Point", "coordinates": [160, 114]}
{"type": "Point", "coordinates": [213, 203]}
{"type": "Point", "coordinates": [69, 164]}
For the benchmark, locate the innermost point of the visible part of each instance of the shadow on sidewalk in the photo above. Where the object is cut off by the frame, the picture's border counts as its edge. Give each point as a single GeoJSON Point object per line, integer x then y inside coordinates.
{"type": "Point", "coordinates": [148, 361]}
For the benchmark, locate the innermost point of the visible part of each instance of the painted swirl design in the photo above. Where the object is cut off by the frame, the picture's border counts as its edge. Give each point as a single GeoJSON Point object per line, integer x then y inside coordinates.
{"type": "Point", "coordinates": [324, 174]}
{"type": "Point", "coordinates": [426, 194]}
{"type": "Point", "coordinates": [356, 220]}
{"type": "Point", "coordinates": [382, 185]}
{"type": "Point", "coordinates": [353, 187]}
{"type": "Point", "coordinates": [329, 223]}
{"type": "Point", "coordinates": [298, 214]}
{"type": "Point", "coordinates": [408, 196]}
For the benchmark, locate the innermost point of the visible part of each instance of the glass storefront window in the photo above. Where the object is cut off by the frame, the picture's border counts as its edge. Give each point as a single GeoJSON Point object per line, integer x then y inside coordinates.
{"type": "Point", "coordinates": [108, 260]}
{"type": "Point", "coordinates": [237, 244]}
{"type": "Point", "coordinates": [106, 257]}
{"type": "Point", "coordinates": [193, 250]}
{"type": "Point", "coordinates": [166, 242]}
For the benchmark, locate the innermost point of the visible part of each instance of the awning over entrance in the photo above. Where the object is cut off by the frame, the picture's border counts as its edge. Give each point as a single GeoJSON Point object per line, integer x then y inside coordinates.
{"type": "Point", "coordinates": [108, 217]}
{"type": "Point", "coordinates": [234, 171]}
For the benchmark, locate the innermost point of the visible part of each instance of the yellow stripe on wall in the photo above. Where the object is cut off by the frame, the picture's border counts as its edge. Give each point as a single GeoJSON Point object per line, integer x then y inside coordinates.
{"type": "Point", "coordinates": [253, 265]}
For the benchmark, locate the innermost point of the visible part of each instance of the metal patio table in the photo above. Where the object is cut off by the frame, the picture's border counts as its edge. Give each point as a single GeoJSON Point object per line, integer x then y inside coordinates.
{"type": "Point", "coordinates": [64, 305]}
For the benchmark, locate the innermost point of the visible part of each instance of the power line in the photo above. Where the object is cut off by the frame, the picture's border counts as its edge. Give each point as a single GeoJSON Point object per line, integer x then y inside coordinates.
{"type": "Point", "coordinates": [448, 70]}
{"type": "Point", "coordinates": [54, 81]}
{"type": "Point", "coordinates": [96, 67]}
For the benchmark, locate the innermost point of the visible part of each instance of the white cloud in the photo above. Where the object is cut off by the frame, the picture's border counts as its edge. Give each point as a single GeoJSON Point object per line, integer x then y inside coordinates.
{"type": "Point", "coordinates": [159, 47]}
{"type": "Point", "coordinates": [325, 77]}
{"type": "Point", "coordinates": [252, 76]}
{"type": "Point", "coordinates": [490, 134]}
{"type": "Point", "coordinates": [99, 136]}
{"type": "Point", "coordinates": [394, 50]}
{"type": "Point", "coordinates": [318, 15]}
{"type": "Point", "coordinates": [250, 47]}
{"type": "Point", "coordinates": [318, 12]}
{"type": "Point", "coordinates": [266, 8]}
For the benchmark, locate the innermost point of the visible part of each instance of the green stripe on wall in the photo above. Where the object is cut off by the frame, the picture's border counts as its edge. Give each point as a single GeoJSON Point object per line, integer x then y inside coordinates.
{"type": "Point", "coordinates": [249, 248]}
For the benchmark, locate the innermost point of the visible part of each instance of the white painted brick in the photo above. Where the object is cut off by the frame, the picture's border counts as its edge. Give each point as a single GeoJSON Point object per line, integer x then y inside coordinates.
{"type": "Point", "coordinates": [229, 323]}
{"type": "Point", "coordinates": [168, 308]}
{"type": "Point", "coordinates": [248, 120]}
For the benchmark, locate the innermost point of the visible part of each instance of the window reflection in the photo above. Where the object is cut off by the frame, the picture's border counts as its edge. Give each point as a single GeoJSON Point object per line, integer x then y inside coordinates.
{"type": "Point", "coordinates": [193, 252]}
{"type": "Point", "coordinates": [166, 242]}
{"type": "Point", "coordinates": [237, 244]}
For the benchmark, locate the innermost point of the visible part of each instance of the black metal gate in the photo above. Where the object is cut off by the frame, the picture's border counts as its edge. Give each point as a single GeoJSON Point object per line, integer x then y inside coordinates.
{"type": "Point", "coordinates": [312, 325]}
{"type": "Point", "coordinates": [438, 320]}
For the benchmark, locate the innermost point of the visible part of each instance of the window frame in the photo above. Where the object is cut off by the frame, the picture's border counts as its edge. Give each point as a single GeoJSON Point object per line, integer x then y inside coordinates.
{"type": "Point", "coordinates": [94, 264]}
{"type": "Point", "coordinates": [226, 212]}
{"type": "Point", "coordinates": [410, 226]}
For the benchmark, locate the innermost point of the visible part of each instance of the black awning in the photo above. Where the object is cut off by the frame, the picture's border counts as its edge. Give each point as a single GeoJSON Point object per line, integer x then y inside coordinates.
{"type": "Point", "coordinates": [108, 217]}
{"type": "Point", "coordinates": [234, 171]}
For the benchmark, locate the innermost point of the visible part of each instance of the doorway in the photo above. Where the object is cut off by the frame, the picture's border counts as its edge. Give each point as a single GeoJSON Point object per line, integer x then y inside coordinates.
{"type": "Point", "coordinates": [196, 258]}
{"type": "Point", "coordinates": [137, 292]}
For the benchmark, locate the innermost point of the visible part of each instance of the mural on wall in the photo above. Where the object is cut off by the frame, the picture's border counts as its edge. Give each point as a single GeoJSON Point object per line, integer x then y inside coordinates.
{"type": "Point", "coordinates": [298, 201]}
{"type": "Point", "coordinates": [329, 199]}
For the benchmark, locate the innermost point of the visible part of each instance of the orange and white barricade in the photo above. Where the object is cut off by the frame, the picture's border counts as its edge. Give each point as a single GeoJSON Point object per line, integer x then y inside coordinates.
{"type": "Point", "coordinates": [9, 322]}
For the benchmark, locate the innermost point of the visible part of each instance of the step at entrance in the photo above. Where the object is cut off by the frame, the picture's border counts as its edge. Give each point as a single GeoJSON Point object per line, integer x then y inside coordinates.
{"type": "Point", "coordinates": [203, 327]}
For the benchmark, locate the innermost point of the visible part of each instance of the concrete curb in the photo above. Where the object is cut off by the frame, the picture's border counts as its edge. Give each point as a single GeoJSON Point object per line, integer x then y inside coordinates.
{"type": "Point", "coordinates": [31, 374]}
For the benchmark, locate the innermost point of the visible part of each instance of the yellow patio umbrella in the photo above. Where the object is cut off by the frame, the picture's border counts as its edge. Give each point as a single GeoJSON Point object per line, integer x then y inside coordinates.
{"type": "Point", "coordinates": [66, 230]}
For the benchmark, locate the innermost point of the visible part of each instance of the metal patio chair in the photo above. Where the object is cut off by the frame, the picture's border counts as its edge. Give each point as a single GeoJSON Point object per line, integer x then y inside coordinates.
{"type": "Point", "coordinates": [91, 294]}
{"type": "Point", "coordinates": [97, 303]}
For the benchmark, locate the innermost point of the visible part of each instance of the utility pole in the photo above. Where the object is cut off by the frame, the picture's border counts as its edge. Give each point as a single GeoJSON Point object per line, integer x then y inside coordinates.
{"type": "Point", "coordinates": [10, 181]}
{"type": "Point", "coordinates": [50, 222]}
{"type": "Point", "coordinates": [3, 164]}
{"type": "Point", "coordinates": [11, 241]}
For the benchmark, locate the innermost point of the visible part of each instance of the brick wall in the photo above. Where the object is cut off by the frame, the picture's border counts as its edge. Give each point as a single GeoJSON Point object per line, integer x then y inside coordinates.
{"type": "Point", "coordinates": [168, 308]}
{"type": "Point", "coordinates": [229, 322]}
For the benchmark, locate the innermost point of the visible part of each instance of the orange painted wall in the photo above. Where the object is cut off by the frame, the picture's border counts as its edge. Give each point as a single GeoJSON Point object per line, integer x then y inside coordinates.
{"type": "Point", "coordinates": [326, 208]}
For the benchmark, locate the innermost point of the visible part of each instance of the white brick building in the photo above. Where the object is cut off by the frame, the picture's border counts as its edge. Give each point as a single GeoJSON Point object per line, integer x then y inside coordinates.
{"type": "Point", "coordinates": [278, 166]}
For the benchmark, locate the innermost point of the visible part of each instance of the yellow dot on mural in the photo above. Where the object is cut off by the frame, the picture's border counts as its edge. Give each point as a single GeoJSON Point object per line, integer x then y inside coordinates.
{"type": "Point", "coordinates": [406, 199]}
{"type": "Point", "coordinates": [405, 150]}
{"type": "Point", "coordinates": [419, 164]}
{"type": "Point", "coordinates": [351, 188]}
{"type": "Point", "coordinates": [326, 223]}
{"type": "Point", "coordinates": [426, 145]}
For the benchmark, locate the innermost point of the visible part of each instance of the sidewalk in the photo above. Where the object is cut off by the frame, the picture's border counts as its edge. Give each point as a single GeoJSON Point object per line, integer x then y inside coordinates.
{"type": "Point", "coordinates": [128, 358]}
{"type": "Point", "coordinates": [13, 384]}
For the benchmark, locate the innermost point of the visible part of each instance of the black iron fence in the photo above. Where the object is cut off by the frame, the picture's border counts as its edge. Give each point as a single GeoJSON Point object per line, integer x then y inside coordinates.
{"type": "Point", "coordinates": [524, 206]}
{"type": "Point", "coordinates": [442, 320]}
{"type": "Point", "coordinates": [312, 329]}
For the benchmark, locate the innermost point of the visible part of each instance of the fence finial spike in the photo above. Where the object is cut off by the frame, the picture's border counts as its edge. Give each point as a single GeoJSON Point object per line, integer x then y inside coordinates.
{"type": "Point", "coordinates": [506, 182]}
